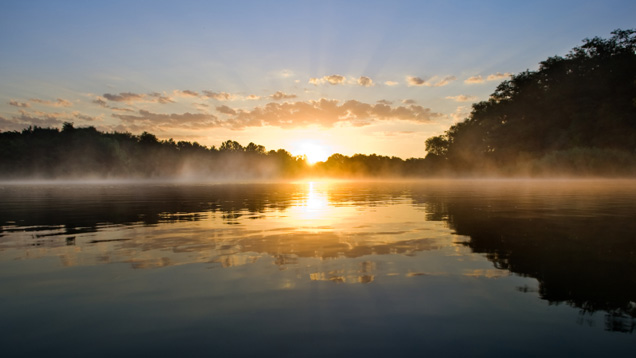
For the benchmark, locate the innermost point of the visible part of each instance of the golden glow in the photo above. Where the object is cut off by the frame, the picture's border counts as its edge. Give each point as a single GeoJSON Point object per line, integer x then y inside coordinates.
{"type": "Point", "coordinates": [314, 152]}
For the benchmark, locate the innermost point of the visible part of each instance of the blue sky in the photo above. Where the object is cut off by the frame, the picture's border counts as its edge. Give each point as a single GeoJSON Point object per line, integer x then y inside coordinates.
{"type": "Point", "coordinates": [348, 76]}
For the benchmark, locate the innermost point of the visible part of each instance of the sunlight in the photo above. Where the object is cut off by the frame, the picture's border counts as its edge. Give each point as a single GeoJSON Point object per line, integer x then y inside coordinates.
{"type": "Point", "coordinates": [313, 151]}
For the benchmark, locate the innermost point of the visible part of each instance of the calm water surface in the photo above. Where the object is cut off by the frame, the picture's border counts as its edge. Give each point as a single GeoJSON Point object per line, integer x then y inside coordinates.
{"type": "Point", "coordinates": [431, 268]}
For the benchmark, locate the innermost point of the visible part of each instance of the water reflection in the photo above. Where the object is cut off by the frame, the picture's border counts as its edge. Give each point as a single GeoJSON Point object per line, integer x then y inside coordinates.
{"type": "Point", "coordinates": [576, 239]}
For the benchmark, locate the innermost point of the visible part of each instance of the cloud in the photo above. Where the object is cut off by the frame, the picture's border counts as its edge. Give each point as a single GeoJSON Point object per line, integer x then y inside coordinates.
{"type": "Point", "coordinates": [101, 102]}
{"type": "Point", "coordinates": [415, 81]}
{"type": "Point", "coordinates": [219, 96]}
{"type": "Point", "coordinates": [331, 79]}
{"type": "Point", "coordinates": [408, 101]}
{"type": "Point", "coordinates": [462, 98]}
{"type": "Point", "coordinates": [186, 93]}
{"type": "Point", "coordinates": [432, 82]}
{"type": "Point", "coordinates": [492, 77]}
{"type": "Point", "coordinates": [225, 110]}
{"type": "Point", "coordinates": [19, 104]}
{"type": "Point", "coordinates": [147, 119]}
{"type": "Point", "coordinates": [129, 97]}
{"type": "Point", "coordinates": [281, 95]}
{"type": "Point", "coordinates": [42, 119]}
{"type": "Point", "coordinates": [124, 97]}
{"type": "Point", "coordinates": [327, 113]}
{"type": "Point", "coordinates": [202, 107]}
{"type": "Point", "coordinates": [365, 81]}
{"type": "Point", "coordinates": [26, 119]}
{"type": "Point", "coordinates": [253, 97]}
{"type": "Point", "coordinates": [474, 79]}
{"type": "Point", "coordinates": [384, 101]}
{"type": "Point", "coordinates": [335, 79]}
{"type": "Point", "coordinates": [57, 103]}
{"type": "Point", "coordinates": [498, 76]}
{"type": "Point", "coordinates": [87, 118]}
{"type": "Point", "coordinates": [159, 98]}
{"type": "Point", "coordinates": [391, 83]}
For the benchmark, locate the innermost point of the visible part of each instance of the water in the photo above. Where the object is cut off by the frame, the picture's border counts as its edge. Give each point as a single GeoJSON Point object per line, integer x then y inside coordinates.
{"type": "Point", "coordinates": [436, 268]}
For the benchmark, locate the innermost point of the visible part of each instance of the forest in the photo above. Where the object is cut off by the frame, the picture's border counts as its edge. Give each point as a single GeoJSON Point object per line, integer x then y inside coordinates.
{"type": "Point", "coordinates": [45, 153]}
{"type": "Point", "coordinates": [574, 116]}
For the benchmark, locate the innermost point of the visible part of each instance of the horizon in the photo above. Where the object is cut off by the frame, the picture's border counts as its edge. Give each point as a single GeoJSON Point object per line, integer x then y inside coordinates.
{"type": "Point", "coordinates": [312, 78]}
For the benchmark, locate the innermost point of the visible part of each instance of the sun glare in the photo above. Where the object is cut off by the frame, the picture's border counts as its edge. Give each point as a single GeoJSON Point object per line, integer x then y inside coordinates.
{"type": "Point", "coordinates": [314, 152]}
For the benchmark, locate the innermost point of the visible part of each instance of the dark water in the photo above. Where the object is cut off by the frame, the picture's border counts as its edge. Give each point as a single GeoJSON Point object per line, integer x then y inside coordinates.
{"type": "Point", "coordinates": [459, 268]}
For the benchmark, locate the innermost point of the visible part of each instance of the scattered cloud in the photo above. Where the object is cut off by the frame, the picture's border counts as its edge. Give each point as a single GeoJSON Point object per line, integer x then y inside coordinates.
{"type": "Point", "coordinates": [124, 97]}
{"type": "Point", "coordinates": [492, 77]}
{"type": "Point", "coordinates": [202, 107]}
{"type": "Point", "coordinates": [408, 101]}
{"type": "Point", "coordinates": [365, 81]}
{"type": "Point", "coordinates": [327, 113]}
{"type": "Point", "coordinates": [391, 83]}
{"type": "Point", "coordinates": [86, 118]}
{"type": "Point", "coordinates": [186, 93]}
{"type": "Point", "coordinates": [26, 119]}
{"type": "Point", "coordinates": [100, 102]}
{"type": "Point", "coordinates": [225, 110]}
{"type": "Point", "coordinates": [384, 101]}
{"type": "Point", "coordinates": [253, 97]}
{"type": "Point", "coordinates": [160, 98]}
{"type": "Point", "coordinates": [147, 119]}
{"type": "Point", "coordinates": [462, 98]}
{"type": "Point", "coordinates": [498, 76]}
{"type": "Point", "coordinates": [129, 97]}
{"type": "Point", "coordinates": [219, 96]}
{"type": "Point", "coordinates": [19, 104]}
{"type": "Point", "coordinates": [43, 119]}
{"type": "Point", "coordinates": [281, 95]}
{"type": "Point", "coordinates": [57, 103]}
{"type": "Point", "coordinates": [435, 81]}
{"type": "Point", "coordinates": [331, 79]}
{"type": "Point", "coordinates": [415, 81]}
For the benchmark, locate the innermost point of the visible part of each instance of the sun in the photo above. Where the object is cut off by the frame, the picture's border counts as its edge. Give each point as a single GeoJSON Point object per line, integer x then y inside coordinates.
{"type": "Point", "coordinates": [314, 152]}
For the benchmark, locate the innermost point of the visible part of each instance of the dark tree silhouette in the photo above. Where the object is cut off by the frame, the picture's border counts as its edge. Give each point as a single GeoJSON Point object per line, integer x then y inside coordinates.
{"type": "Point", "coordinates": [575, 114]}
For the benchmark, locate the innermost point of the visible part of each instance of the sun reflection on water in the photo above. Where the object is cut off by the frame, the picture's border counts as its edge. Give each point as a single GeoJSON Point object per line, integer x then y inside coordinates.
{"type": "Point", "coordinates": [313, 208]}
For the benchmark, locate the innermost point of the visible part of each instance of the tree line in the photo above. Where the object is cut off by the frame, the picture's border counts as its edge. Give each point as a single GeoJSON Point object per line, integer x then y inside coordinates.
{"type": "Point", "coordinates": [574, 115]}
{"type": "Point", "coordinates": [71, 152]}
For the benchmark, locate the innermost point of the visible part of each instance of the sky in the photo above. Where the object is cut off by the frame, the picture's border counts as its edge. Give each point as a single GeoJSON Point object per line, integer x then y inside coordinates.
{"type": "Point", "coordinates": [311, 77]}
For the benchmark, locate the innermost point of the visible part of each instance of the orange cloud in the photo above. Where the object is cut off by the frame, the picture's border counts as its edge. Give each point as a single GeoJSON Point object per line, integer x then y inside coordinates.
{"type": "Point", "coordinates": [186, 93]}
{"type": "Point", "coordinates": [365, 81]}
{"type": "Point", "coordinates": [129, 97]}
{"type": "Point", "coordinates": [225, 110]}
{"type": "Point", "coordinates": [147, 119]}
{"type": "Point", "coordinates": [219, 96]}
{"type": "Point", "coordinates": [327, 113]}
{"type": "Point", "coordinates": [498, 76]}
{"type": "Point", "coordinates": [462, 98]}
{"type": "Point", "coordinates": [331, 79]}
{"type": "Point", "coordinates": [492, 77]}
{"type": "Point", "coordinates": [19, 104]}
{"type": "Point", "coordinates": [281, 95]}
{"type": "Point", "coordinates": [57, 103]}
{"type": "Point", "coordinates": [432, 82]}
